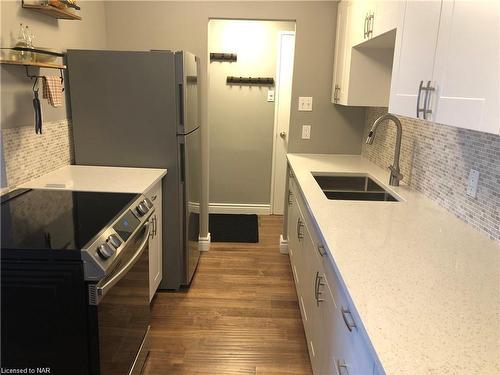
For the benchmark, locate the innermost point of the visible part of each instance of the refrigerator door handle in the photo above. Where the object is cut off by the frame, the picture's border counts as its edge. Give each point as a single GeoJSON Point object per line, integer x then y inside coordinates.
{"type": "Point", "coordinates": [181, 104]}
{"type": "Point", "coordinates": [182, 163]}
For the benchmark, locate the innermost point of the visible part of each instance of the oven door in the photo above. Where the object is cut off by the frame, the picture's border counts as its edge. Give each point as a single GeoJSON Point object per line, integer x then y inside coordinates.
{"type": "Point", "coordinates": [123, 312]}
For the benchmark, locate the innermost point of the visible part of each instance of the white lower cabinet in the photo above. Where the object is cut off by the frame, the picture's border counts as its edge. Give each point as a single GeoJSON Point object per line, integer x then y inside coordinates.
{"type": "Point", "coordinates": [336, 345]}
{"type": "Point", "coordinates": [155, 240]}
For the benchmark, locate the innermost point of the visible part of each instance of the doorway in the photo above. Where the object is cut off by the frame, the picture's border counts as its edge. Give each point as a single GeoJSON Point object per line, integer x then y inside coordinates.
{"type": "Point", "coordinates": [247, 161]}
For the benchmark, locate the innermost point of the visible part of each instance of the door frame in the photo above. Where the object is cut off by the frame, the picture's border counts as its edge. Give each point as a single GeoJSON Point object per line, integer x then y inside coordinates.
{"type": "Point", "coordinates": [276, 104]}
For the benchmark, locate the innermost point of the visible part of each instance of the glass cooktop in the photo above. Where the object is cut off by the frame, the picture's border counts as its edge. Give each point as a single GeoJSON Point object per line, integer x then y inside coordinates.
{"type": "Point", "coordinates": [56, 219]}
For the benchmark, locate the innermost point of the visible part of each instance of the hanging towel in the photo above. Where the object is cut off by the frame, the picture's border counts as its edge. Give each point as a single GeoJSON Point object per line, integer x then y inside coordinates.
{"type": "Point", "coordinates": [52, 90]}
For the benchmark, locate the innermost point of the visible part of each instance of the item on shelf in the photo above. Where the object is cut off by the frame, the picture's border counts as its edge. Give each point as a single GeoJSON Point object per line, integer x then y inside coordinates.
{"type": "Point", "coordinates": [29, 44]}
{"type": "Point", "coordinates": [20, 55]}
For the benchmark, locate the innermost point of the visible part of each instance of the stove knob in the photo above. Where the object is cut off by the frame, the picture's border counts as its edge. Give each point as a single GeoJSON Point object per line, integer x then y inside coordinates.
{"type": "Point", "coordinates": [142, 209]}
{"type": "Point", "coordinates": [148, 203]}
{"type": "Point", "coordinates": [114, 241]}
{"type": "Point", "coordinates": [105, 251]}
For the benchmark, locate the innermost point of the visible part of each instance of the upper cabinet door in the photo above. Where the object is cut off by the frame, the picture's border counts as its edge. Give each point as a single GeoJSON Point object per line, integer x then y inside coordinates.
{"type": "Point", "coordinates": [342, 56]}
{"type": "Point", "coordinates": [414, 55]}
{"type": "Point", "coordinates": [358, 23]}
{"type": "Point", "coordinates": [467, 66]}
{"type": "Point", "coordinates": [386, 16]}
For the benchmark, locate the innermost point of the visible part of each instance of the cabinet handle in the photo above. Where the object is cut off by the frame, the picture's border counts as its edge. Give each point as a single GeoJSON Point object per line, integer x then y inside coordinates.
{"type": "Point", "coordinates": [365, 28]}
{"type": "Point", "coordinates": [371, 19]}
{"type": "Point", "coordinates": [290, 194]}
{"type": "Point", "coordinates": [153, 198]}
{"type": "Point", "coordinates": [418, 98]}
{"type": "Point", "coordinates": [336, 94]}
{"type": "Point", "coordinates": [349, 324]}
{"type": "Point", "coordinates": [317, 292]}
{"type": "Point", "coordinates": [290, 174]}
{"type": "Point", "coordinates": [427, 89]}
{"type": "Point", "coordinates": [321, 250]}
{"type": "Point", "coordinates": [300, 225]}
{"type": "Point", "coordinates": [342, 368]}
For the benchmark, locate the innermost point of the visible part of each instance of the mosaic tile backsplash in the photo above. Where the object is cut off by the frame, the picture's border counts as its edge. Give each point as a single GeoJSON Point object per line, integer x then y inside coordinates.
{"type": "Point", "coordinates": [436, 160]}
{"type": "Point", "coordinates": [28, 155]}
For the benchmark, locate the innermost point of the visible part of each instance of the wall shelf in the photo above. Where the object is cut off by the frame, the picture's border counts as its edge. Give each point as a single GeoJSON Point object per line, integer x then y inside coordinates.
{"type": "Point", "coordinates": [52, 11]}
{"type": "Point", "coordinates": [36, 64]}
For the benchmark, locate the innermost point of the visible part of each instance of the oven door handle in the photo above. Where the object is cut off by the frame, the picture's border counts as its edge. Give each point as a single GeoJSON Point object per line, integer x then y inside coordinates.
{"type": "Point", "coordinates": [102, 290]}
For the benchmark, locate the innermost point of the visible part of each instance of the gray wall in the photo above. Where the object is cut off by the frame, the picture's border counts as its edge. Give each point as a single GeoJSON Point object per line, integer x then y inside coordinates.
{"type": "Point", "coordinates": [16, 95]}
{"type": "Point", "coordinates": [16, 103]}
{"type": "Point", "coordinates": [241, 119]}
{"type": "Point", "coordinates": [184, 25]}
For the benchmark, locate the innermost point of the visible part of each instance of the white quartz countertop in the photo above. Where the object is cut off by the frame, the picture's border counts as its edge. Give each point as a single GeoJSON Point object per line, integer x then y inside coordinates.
{"type": "Point", "coordinates": [101, 179]}
{"type": "Point", "coordinates": [425, 284]}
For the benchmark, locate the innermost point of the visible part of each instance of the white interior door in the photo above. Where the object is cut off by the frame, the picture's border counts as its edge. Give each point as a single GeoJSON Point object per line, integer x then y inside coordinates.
{"type": "Point", "coordinates": [283, 97]}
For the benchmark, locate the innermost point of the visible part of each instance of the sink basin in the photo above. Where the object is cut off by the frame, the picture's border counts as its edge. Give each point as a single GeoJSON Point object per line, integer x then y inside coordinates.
{"type": "Point", "coordinates": [353, 188]}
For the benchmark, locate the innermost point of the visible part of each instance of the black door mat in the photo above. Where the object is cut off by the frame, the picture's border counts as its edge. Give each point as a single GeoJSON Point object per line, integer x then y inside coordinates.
{"type": "Point", "coordinates": [234, 228]}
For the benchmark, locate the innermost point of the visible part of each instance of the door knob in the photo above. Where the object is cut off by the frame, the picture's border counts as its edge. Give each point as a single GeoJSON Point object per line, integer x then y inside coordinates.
{"type": "Point", "coordinates": [283, 134]}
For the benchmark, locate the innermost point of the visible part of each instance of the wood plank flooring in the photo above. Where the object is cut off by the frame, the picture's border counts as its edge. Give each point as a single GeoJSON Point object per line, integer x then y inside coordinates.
{"type": "Point", "coordinates": [240, 316]}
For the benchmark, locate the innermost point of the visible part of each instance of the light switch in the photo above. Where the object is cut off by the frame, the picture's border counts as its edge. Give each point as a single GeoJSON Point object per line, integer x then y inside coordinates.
{"type": "Point", "coordinates": [305, 103]}
{"type": "Point", "coordinates": [306, 131]}
{"type": "Point", "coordinates": [270, 96]}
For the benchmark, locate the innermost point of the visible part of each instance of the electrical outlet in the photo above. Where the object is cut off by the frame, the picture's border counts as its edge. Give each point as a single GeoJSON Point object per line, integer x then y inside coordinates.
{"type": "Point", "coordinates": [305, 103]}
{"type": "Point", "coordinates": [270, 96]}
{"type": "Point", "coordinates": [306, 131]}
{"type": "Point", "coordinates": [472, 183]}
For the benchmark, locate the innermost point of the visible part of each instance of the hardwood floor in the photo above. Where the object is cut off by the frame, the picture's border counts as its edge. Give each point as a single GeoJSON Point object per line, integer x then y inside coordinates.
{"type": "Point", "coordinates": [240, 316]}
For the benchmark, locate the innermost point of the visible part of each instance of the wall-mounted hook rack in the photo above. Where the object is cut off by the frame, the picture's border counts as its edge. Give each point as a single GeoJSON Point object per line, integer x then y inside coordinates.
{"type": "Point", "coordinates": [231, 57]}
{"type": "Point", "coordinates": [259, 81]}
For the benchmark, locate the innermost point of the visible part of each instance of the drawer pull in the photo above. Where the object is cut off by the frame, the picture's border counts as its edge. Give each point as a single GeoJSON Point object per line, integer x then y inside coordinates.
{"type": "Point", "coordinates": [300, 225]}
{"type": "Point", "coordinates": [317, 284]}
{"type": "Point", "coordinates": [342, 368]}
{"type": "Point", "coordinates": [350, 323]}
{"type": "Point", "coordinates": [153, 198]}
{"type": "Point", "coordinates": [321, 250]}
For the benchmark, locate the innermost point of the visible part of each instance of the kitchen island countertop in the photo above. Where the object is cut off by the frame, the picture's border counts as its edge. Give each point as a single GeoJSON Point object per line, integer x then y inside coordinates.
{"type": "Point", "coordinates": [98, 179]}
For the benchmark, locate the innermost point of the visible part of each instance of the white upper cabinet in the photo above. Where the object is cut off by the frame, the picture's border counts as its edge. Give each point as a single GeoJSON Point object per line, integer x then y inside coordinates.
{"type": "Point", "coordinates": [414, 56]}
{"type": "Point", "coordinates": [340, 73]}
{"type": "Point", "coordinates": [433, 60]}
{"type": "Point", "coordinates": [359, 21]}
{"type": "Point", "coordinates": [467, 66]}
{"type": "Point", "coordinates": [385, 16]}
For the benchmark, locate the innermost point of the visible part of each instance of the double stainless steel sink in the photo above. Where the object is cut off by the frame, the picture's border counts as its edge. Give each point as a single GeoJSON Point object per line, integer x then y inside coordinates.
{"type": "Point", "coordinates": [353, 188]}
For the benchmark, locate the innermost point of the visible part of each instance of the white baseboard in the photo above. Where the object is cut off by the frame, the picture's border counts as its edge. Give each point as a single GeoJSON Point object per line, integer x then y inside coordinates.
{"type": "Point", "coordinates": [239, 208]}
{"type": "Point", "coordinates": [204, 243]}
{"type": "Point", "coordinates": [283, 245]}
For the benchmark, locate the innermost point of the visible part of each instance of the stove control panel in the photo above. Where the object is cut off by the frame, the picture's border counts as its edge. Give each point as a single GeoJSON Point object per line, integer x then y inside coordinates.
{"type": "Point", "coordinates": [100, 254]}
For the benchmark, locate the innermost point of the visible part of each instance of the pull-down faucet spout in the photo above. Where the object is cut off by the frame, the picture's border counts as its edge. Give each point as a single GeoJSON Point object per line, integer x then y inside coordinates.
{"type": "Point", "coordinates": [396, 175]}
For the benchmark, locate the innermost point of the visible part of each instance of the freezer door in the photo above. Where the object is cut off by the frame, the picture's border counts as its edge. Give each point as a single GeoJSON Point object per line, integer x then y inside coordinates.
{"type": "Point", "coordinates": [187, 91]}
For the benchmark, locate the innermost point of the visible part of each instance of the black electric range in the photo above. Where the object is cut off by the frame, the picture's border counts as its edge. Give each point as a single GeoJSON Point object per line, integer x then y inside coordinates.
{"type": "Point", "coordinates": [74, 282]}
{"type": "Point", "coordinates": [56, 219]}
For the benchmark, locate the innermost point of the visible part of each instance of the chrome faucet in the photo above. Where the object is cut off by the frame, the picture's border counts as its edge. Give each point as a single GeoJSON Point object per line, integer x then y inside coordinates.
{"type": "Point", "coordinates": [396, 175]}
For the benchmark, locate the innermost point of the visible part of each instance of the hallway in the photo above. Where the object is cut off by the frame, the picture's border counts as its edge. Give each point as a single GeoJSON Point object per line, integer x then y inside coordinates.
{"type": "Point", "coordinates": [240, 315]}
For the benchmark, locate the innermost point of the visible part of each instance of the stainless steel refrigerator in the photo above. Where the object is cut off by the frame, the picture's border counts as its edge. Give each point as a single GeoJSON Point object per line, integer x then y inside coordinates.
{"type": "Point", "coordinates": [141, 109]}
